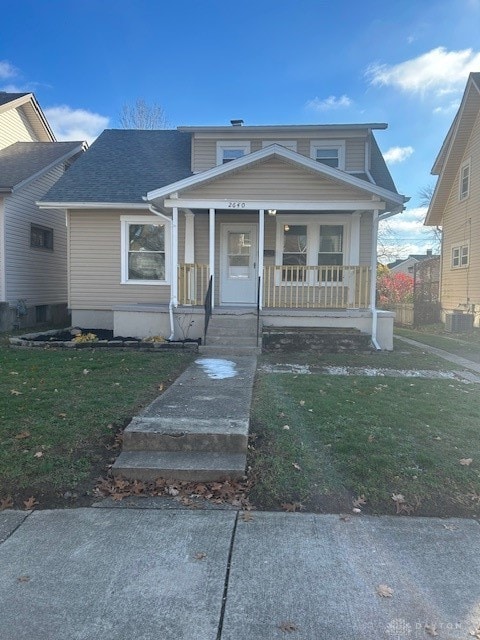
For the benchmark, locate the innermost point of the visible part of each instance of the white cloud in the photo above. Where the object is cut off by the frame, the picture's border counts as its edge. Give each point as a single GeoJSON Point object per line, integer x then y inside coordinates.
{"type": "Point", "coordinates": [449, 108]}
{"type": "Point", "coordinates": [7, 70]}
{"type": "Point", "coordinates": [397, 154]}
{"type": "Point", "coordinates": [332, 102]}
{"type": "Point", "coordinates": [75, 124]}
{"type": "Point", "coordinates": [438, 71]}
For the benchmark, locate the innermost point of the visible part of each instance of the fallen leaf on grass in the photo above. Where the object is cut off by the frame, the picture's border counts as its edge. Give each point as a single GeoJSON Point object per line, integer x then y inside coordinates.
{"type": "Point", "coordinates": [161, 386]}
{"type": "Point", "coordinates": [14, 392]}
{"type": "Point", "coordinates": [359, 501]}
{"type": "Point", "coordinates": [286, 427]}
{"type": "Point", "coordinates": [431, 629]}
{"type": "Point", "coordinates": [296, 466]}
{"type": "Point", "coordinates": [466, 462]}
{"type": "Point", "coordinates": [302, 403]}
{"type": "Point", "coordinates": [22, 435]}
{"type": "Point", "coordinates": [6, 503]}
{"type": "Point", "coordinates": [38, 454]}
{"type": "Point", "coordinates": [62, 415]}
{"type": "Point", "coordinates": [356, 510]}
{"type": "Point", "coordinates": [200, 555]}
{"type": "Point", "coordinates": [30, 503]}
{"type": "Point", "coordinates": [86, 372]}
{"type": "Point", "coordinates": [287, 626]}
{"type": "Point", "coordinates": [23, 578]}
{"type": "Point", "coordinates": [371, 438]}
{"type": "Point", "coordinates": [384, 591]}
{"type": "Point", "coordinates": [292, 506]}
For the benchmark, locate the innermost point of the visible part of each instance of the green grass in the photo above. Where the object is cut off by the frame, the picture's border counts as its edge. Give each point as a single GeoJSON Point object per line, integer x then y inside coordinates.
{"type": "Point", "coordinates": [366, 436]}
{"type": "Point", "coordinates": [463, 345]}
{"type": "Point", "coordinates": [70, 403]}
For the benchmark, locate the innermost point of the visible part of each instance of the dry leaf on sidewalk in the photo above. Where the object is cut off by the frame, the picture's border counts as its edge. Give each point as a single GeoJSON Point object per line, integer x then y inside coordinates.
{"type": "Point", "coordinates": [287, 626]}
{"type": "Point", "coordinates": [384, 591]}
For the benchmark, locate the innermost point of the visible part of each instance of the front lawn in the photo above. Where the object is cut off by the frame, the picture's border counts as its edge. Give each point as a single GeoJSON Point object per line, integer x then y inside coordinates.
{"type": "Point", "coordinates": [61, 411]}
{"type": "Point", "coordinates": [463, 345]}
{"type": "Point", "coordinates": [325, 441]}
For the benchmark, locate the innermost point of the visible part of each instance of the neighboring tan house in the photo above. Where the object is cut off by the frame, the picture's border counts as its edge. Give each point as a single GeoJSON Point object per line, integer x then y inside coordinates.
{"type": "Point", "coordinates": [283, 215]}
{"type": "Point", "coordinates": [407, 265]}
{"type": "Point", "coordinates": [33, 256]}
{"type": "Point", "coordinates": [455, 206]}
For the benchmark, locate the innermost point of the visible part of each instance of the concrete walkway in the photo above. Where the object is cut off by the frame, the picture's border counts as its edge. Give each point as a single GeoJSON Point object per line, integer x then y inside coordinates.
{"type": "Point", "coordinates": [126, 574]}
{"type": "Point", "coordinates": [441, 353]}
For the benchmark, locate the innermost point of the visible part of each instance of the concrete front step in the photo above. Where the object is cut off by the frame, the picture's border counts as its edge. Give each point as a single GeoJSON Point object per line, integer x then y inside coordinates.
{"type": "Point", "coordinates": [190, 466]}
{"type": "Point", "coordinates": [186, 434]}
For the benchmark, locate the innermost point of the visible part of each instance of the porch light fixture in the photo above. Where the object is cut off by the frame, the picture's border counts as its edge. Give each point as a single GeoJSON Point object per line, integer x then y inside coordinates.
{"type": "Point", "coordinates": [272, 212]}
{"type": "Point", "coordinates": [286, 227]}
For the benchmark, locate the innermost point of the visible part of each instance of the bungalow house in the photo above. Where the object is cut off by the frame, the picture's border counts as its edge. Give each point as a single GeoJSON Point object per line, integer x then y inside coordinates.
{"type": "Point", "coordinates": [407, 265]}
{"type": "Point", "coordinates": [455, 206]}
{"type": "Point", "coordinates": [279, 219]}
{"type": "Point", "coordinates": [33, 256]}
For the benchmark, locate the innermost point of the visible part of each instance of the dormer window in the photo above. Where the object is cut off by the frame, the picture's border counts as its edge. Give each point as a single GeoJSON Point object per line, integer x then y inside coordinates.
{"type": "Point", "coordinates": [329, 152]}
{"type": "Point", "coordinates": [228, 151]}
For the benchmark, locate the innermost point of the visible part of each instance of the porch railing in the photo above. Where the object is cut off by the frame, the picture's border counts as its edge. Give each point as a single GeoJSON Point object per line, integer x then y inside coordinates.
{"type": "Point", "coordinates": [192, 283]}
{"type": "Point", "coordinates": [316, 287]}
{"type": "Point", "coordinates": [293, 287]}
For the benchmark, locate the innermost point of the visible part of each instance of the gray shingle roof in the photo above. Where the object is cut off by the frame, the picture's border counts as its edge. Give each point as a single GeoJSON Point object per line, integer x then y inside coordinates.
{"type": "Point", "coordinates": [21, 160]}
{"type": "Point", "coordinates": [379, 169]}
{"type": "Point", "coordinates": [10, 97]}
{"type": "Point", "coordinates": [123, 165]}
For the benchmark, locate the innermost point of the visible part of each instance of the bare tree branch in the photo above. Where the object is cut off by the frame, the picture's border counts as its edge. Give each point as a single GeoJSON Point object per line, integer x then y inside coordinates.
{"type": "Point", "coordinates": [142, 115]}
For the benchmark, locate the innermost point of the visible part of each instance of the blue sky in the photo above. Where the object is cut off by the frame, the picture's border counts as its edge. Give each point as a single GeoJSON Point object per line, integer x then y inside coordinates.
{"type": "Point", "coordinates": [268, 62]}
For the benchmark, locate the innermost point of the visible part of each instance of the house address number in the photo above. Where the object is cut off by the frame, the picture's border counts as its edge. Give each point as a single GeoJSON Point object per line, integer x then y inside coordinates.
{"type": "Point", "coordinates": [237, 205]}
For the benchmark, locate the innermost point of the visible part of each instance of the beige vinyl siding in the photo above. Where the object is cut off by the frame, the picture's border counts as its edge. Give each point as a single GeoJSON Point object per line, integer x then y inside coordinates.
{"type": "Point", "coordinates": [204, 151]}
{"type": "Point", "coordinates": [14, 127]}
{"type": "Point", "coordinates": [2, 250]}
{"type": "Point", "coordinates": [355, 155]}
{"type": "Point", "coordinates": [37, 275]}
{"type": "Point", "coordinates": [95, 264]}
{"type": "Point", "coordinates": [461, 225]}
{"type": "Point", "coordinates": [366, 222]}
{"type": "Point", "coordinates": [274, 179]}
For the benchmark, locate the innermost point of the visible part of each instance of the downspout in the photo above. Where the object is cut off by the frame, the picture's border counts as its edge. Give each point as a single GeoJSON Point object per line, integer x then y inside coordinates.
{"type": "Point", "coordinates": [373, 281]}
{"type": "Point", "coordinates": [173, 268]}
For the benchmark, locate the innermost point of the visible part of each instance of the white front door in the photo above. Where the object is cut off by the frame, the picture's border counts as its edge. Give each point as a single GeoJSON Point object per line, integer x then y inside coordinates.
{"type": "Point", "coordinates": [238, 264]}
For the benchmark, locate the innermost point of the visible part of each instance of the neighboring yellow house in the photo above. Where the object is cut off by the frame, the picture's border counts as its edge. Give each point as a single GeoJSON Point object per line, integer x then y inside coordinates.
{"type": "Point", "coordinates": [279, 218]}
{"type": "Point", "coordinates": [33, 243]}
{"type": "Point", "coordinates": [455, 206]}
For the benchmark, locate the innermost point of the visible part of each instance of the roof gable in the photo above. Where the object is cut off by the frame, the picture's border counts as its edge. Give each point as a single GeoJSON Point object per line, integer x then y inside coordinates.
{"type": "Point", "coordinates": [275, 150]}
{"type": "Point", "coordinates": [453, 148]}
{"type": "Point", "coordinates": [32, 111]}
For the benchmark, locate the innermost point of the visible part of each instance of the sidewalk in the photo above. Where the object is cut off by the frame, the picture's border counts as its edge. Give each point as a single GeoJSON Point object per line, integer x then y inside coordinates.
{"type": "Point", "coordinates": [126, 574]}
{"type": "Point", "coordinates": [441, 353]}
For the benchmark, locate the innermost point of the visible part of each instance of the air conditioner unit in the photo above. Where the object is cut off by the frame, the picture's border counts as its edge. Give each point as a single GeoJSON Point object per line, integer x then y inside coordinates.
{"type": "Point", "coordinates": [458, 322]}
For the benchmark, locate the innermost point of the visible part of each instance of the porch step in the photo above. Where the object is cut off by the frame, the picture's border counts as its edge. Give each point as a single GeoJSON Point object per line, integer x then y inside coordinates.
{"type": "Point", "coordinates": [186, 434]}
{"type": "Point", "coordinates": [188, 466]}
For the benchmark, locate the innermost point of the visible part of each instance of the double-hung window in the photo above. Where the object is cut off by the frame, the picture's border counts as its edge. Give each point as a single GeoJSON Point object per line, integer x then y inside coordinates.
{"type": "Point", "coordinates": [313, 251]}
{"type": "Point", "coordinates": [464, 182]}
{"type": "Point", "coordinates": [41, 237]}
{"type": "Point", "coordinates": [231, 150]}
{"type": "Point", "coordinates": [460, 256]}
{"type": "Point", "coordinates": [145, 243]}
{"type": "Point", "coordinates": [329, 152]}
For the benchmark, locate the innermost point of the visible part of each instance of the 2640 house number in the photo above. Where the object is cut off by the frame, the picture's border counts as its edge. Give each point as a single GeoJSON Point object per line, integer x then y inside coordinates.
{"type": "Point", "coordinates": [237, 205]}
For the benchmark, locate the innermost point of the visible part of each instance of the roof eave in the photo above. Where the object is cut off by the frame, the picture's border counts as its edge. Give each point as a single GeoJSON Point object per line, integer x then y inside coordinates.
{"type": "Point", "coordinates": [92, 205]}
{"type": "Point", "coordinates": [66, 156]}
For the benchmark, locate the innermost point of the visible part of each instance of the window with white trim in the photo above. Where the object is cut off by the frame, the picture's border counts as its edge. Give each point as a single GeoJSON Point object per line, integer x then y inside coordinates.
{"type": "Point", "coordinates": [460, 256]}
{"type": "Point", "coordinates": [329, 152]}
{"type": "Point", "coordinates": [464, 181]}
{"type": "Point", "coordinates": [145, 251]}
{"type": "Point", "coordinates": [311, 244]}
{"type": "Point", "coordinates": [228, 151]}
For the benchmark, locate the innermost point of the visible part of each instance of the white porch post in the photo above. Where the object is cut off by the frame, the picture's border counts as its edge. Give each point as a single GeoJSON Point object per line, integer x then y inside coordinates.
{"type": "Point", "coordinates": [211, 249]}
{"type": "Point", "coordinates": [373, 279]}
{"type": "Point", "coordinates": [174, 295]}
{"type": "Point", "coordinates": [189, 237]}
{"type": "Point", "coordinates": [261, 242]}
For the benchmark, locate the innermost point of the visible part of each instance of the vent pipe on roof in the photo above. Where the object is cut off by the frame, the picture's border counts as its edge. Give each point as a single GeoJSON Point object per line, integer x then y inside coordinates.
{"type": "Point", "coordinates": [236, 123]}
